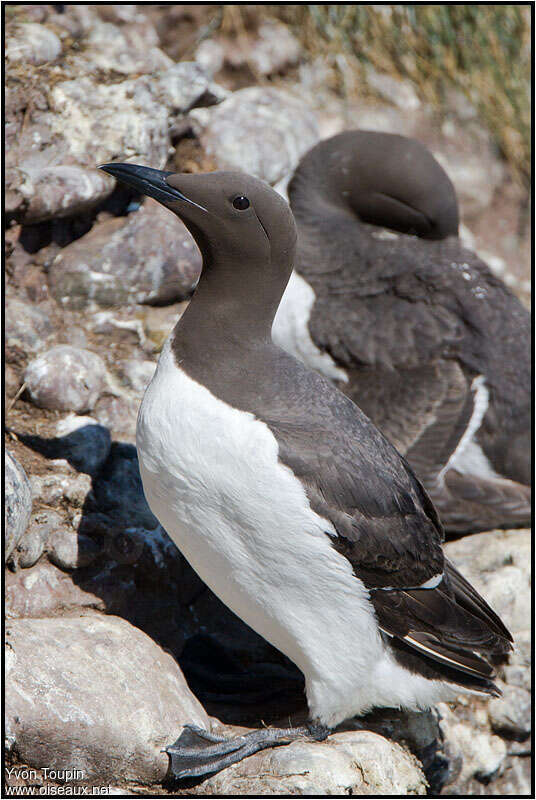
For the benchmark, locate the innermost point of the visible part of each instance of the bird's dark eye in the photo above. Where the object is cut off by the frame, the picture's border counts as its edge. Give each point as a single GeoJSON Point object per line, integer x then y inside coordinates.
{"type": "Point", "coordinates": [241, 202]}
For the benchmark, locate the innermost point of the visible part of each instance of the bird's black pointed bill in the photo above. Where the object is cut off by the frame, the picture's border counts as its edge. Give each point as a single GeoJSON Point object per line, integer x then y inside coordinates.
{"type": "Point", "coordinates": [147, 180]}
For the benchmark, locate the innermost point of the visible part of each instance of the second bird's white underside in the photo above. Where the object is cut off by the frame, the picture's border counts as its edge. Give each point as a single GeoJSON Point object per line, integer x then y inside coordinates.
{"type": "Point", "coordinates": [212, 477]}
{"type": "Point", "coordinates": [290, 329]}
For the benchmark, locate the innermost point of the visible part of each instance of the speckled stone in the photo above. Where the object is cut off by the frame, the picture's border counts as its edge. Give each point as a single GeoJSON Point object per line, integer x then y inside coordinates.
{"type": "Point", "coordinates": [17, 503]}
{"type": "Point", "coordinates": [148, 258]}
{"type": "Point", "coordinates": [69, 550]}
{"type": "Point", "coordinates": [66, 378]}
{"type": "Point", "coordinates": [27, 326]}
{"type": "Point", "coordinates": [31, 43]}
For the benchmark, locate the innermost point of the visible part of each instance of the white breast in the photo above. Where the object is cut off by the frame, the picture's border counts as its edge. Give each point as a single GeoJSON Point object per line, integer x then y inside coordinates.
{"type": "Point", "coordinates": [212, 477]}
{"type": "Point", "coordinates": [290, 329]}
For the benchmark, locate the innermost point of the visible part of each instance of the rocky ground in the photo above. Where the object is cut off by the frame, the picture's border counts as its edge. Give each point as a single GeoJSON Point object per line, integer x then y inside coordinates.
{"type": "Point", "coordinates": [111, 639]}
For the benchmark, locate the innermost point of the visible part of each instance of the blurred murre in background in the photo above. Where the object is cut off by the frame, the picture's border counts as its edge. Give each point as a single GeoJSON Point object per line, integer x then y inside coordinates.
{"type": "Point", "coordinates": [386, 301]}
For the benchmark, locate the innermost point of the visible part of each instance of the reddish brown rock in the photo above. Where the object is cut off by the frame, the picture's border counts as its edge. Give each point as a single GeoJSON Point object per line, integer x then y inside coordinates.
{"type": "Point", "coordinates": [148, 258]}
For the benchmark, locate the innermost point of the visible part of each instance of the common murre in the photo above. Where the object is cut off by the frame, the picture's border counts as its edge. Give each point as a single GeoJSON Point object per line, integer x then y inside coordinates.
{"type": "Point", "coordinates": [285, 498]}
{"type": "Point", "coordinates": [414, 327]}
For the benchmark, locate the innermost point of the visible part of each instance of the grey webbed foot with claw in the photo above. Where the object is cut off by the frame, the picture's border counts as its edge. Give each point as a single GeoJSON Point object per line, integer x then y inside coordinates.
{"type": "Point", "coordinates": [198, 752]}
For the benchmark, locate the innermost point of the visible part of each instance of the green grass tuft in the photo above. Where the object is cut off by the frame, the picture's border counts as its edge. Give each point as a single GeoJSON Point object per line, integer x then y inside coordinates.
{"type": "Point", "coordinates": [481, 50]}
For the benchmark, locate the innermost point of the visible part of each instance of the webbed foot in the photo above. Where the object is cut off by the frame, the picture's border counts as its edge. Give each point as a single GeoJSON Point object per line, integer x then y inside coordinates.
{"type": "Point", "coordinates": [198, 752]}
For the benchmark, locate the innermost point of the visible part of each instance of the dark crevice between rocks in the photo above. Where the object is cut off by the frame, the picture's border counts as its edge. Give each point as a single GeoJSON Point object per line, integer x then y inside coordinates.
{"type": "Point", "coordinates": [61, 231]}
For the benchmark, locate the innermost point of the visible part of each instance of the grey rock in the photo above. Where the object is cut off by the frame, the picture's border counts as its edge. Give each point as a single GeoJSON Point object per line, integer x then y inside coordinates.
{"type": "Point", "coordinates": [31, 43]}
{"type": "Point", "coordinates": [138, 374]}
{"type": "Point", "coordinates": [81, 122]}
{"type": "Point", "coordinates": [275, 48]}
{"type": "Point", "coordinates": [127, 49]}
{"type": "Point", "coordinates": [148, 258]}
{"type": "Point", "coordinates": [17, 503]}
{"type": "Point", "coordinates": [68, 549]}
{"type": "Point", "coordinates": [48, 489]}
{"type": "Point", "coordinates": [481, 753]}
{"type": "Point", "coordinates": [498, 564]}
{"type": "Point", "coordinates": [27, 326]}
{"type": "Point", "coordinates": [510, 714]}
{"type": "Point", "coordinates": [122, 13]}
{"type": "Point", "coordinates": [184, 86]}
{"type": "Point", "coordinates": [263, 131]}
{"type": "Point", "coordinates": [399, 92]}
{"type": "Point", "coordinates": [271, 49]}
{"type": "Point", "coordinates": [66, 379]}
{"type": "Point", "coordinates": [44, 591]}
{"type": "Point", "coordinates": [55, 715]}
{"type": "Point", "coordinates": [84, 442]}
{"type": "Point", "coordinates": [211, 55]}
{"type": "Point", "coordinates": [518, 670]}
{"type": "Point", "coordinates": [52, 488]}
{"type": "Point", "coordinates": [387, 119]}
{"type": "Point", "coordinates": [76, 490]}
{"type": "Point", "coordinates": [476, 175]}
{"type": "Point", "coordinates": [515, 779]}
{"type": "Point", "coordinates": [417, 730]}
{"type": "Point", "coordinates": [352, 763]}
{"type": "Point", "coordinates": [119, 415]}
{"type": "Point", "coordinates": [29, 550]}
{"type": "Point", "coordinates": [58, 190]}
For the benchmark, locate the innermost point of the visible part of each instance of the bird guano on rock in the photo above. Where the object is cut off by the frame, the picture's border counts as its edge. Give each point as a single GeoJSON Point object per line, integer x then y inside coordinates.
{"type": "Point", "coordinates": [412, 326]}
{"type": "Point", "coordinates": [288, 502]}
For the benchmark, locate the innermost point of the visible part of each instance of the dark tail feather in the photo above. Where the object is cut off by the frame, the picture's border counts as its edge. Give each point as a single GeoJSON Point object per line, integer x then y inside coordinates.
{"type": "Point", "coordinates": [446, 633]}
{"type": "Point", "coordinates": [467, 597]}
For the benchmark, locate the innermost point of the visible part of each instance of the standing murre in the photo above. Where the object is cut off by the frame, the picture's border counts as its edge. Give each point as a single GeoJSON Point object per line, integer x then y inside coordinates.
{"type": "Point", "coordinates": [414, 327]}
{"type": "Point", "coordinates": [284, 497]}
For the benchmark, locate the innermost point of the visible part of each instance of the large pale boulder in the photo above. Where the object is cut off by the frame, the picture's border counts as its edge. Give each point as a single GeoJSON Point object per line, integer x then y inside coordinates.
{"type": "Point", "coordinates": [262, 131]}
{"type": "Point", "coordinates": [351, 763]}
{"type": "Point", "coordinates": [96, 694]}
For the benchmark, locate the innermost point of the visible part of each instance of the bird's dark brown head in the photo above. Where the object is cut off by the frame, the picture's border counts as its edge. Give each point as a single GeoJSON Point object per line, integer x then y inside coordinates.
{"type": "Point", "coordinates": [236, 215]}
{"type": "Point", "coordinates": [385, 179]}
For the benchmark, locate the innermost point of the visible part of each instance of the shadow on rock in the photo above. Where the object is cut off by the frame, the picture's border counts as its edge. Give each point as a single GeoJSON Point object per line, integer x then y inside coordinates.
{"type": "Point", "coordinates": [119, 559]}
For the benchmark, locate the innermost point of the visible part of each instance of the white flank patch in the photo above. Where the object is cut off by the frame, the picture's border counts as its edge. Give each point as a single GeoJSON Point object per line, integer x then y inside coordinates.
{"type": "Point", "coordinates": [431, 583]}
{"type": "Point", "coordinates": [290, 330]}
{"type": "Point", "coordinates": [212, 477]}
{"type": "Point", "coordinates": [468, 458]}
{"type": "Point", "coordinates": [384, 234]}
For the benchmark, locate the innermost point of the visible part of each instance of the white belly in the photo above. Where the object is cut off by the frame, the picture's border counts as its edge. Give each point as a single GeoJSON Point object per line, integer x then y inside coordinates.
{"type": "Point", "coordinates": [212, 477]}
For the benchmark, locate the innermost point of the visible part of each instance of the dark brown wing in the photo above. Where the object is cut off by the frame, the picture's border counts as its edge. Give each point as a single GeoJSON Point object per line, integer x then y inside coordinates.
{"type": "Point", "coordinates": [388, 529]}
{"type": "Point", "coordinates": [468, 503]}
